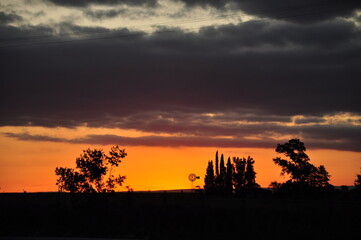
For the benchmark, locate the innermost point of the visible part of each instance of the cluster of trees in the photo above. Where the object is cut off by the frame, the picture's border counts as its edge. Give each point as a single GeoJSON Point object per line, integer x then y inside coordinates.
{"type": "Point", "coordinates": [93, 172]}
{"type": "Point", "coordinates": [237, 175]}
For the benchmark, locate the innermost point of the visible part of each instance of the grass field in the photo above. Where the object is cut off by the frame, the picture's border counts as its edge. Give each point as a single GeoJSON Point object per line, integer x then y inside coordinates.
{"type": "Point", "coordinates": [178, 216]}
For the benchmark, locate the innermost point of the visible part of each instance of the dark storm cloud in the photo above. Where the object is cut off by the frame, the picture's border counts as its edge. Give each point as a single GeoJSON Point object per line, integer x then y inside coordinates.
{"type": "Point", "coordinates": [260, 33]}
{"type": "Point", "coordinates": [85, 3]}
{"type": "Point", "coordinates": [29, 137]}
{"type": "Point", "coordinates": [333, 133]}
{"type": "Point", "coordinates": [196, 141]}
{"type": "Point", "coordinates": [302, 11]}
{"type": "Point", "coordinates": [171, 141]}
{"type": "Point", "coordinates": [308, 120]}
{"type": "Point", "coordinates": [103, 14]}
{"type": "Point", "coordinates": [6, 18]}
{"type": "Point", "coordinates": [167, 82]}
{"type": "Point", "coordinates": [147, 141]}
{"type": "Point", "coordinates": [113, 13]}
{"type": "Point", "coordinates": [223, 71]}
{"type": "Point", "coordinates": [245, 61]}
{"type": "Point", "coordinates": [206, 3]}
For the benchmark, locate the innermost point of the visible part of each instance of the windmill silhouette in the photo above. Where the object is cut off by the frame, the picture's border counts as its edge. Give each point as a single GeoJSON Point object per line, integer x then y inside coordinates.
{"type": "Point", "coordinates": [192, 177]}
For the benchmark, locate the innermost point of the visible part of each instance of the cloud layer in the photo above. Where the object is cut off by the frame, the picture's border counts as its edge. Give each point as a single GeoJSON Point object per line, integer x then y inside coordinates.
{"type": "Point", "coordinates": [235, 80]}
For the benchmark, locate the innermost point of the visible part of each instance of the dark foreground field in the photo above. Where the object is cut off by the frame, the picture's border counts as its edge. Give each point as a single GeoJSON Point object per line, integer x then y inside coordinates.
{"type": "Point", "coordinates": [178, 216]}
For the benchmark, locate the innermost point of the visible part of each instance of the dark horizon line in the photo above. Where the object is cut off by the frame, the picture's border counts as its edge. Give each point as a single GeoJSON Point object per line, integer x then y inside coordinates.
{"type": "Point", "coordinates": [185, 190]}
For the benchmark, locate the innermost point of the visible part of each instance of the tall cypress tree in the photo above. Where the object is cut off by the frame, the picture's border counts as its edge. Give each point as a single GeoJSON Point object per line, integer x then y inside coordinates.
{"type": "Point", "coordinates": [216, 177]}
{"type": "Point", "coordinates": [229, 175]}
{"type": "Point", "coordinates": [217, 171]}
{"type": "Point", "coordinates": [209, 179]}
{"type": "Point", "coordinates": [222, 174]}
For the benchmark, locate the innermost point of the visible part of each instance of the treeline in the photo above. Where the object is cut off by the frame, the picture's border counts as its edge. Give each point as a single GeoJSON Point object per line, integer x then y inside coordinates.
{"type": "Point", "coordinates": [236, 176]}
{"type": "Point", "coordinates": [239, 176]}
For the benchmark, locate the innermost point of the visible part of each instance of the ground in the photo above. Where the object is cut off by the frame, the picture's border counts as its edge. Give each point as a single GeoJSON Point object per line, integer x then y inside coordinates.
{"type": "Point", "coordinates": [165, 215]}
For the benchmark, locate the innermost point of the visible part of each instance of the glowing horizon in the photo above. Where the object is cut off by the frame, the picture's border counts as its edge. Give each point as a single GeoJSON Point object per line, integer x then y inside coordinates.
{"type": "Point", "coordinates": [30, 166]}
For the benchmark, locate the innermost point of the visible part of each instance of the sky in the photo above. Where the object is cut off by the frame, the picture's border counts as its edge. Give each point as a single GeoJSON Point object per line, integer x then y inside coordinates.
{"type": "Point", "coordinates": [172, 82]}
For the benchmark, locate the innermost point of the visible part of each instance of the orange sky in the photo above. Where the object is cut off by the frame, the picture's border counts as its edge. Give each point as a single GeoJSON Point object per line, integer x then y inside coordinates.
{"type": "Point", "coordinates": [176, 74]}
{"type": "Point", "coordinates": [26, 165]}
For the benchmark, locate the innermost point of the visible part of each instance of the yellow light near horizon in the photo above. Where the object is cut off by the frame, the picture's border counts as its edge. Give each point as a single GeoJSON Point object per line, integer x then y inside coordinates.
{"type": "Point", "coordinates": [26, 165]}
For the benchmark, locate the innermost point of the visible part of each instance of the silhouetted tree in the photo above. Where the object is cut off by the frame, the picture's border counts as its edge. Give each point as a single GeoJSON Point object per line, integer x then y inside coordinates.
{"type": "Point", "coordinates": [320, 177]}
{"type": "Point", "coordinates": [222, 175]}
{"type": "Point", "coordinates": [239, 176]}
{"type": "Point", "coordinates": [298, 167]}
{"type": "Point", "coordinates": [301, 171]}
{"type": "Point", "coordinates": [229, 176]}
{"type": "Point", "coordinates": [358, 181]}
{"type": "Point", "coordinates": [93, 172]}
{"type": "Point", "coordinates": [216, 176]}
{"type": "Point", "coordinates": [250, 174]}
{"type": "Point", "coordinates": [217, 164]}
{"type": "Point", "coordinates": [209, 179]}
{"type": "Point", "coordinates": [239, 165]}
{"type": "Point", "coordinates": [275, 185]}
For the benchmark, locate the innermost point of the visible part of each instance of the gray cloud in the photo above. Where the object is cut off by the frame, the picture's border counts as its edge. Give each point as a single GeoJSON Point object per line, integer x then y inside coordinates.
{"type": "Point", "coordinates": [185, 141]}
{"type": "Point", "coordinates": [147, 141]}
{"type": "Point", "coordinates": [218, 70]}
{"type": "Point", "coordinates": [301, 11]}
{"type": "Point", "coordinates": [314, 120]}
{"type": "Point", "coordinates": [6, 18]}
{"type": "Point", "coordinates": [104, 14]}
{"type": "Point", "coordinates": [85, 3]}
{"type": "Point", "coordinates": [123, 12]}
{"type": "Point", "coordinates": [37, 138]}
{"type": "Point", "coordinates": [263, 71]}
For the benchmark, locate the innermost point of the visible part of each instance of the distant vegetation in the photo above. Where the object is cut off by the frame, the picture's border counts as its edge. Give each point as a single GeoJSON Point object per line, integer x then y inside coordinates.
{"type": "Point", "coordinates": [93, 173]}
{"type": "Point", "coordinates": [239, 175]}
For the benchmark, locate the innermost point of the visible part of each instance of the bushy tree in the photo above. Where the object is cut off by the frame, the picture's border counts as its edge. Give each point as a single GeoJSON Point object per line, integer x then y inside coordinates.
{"type": "Point", "coordinates": [93, 172]}
{"type": "Point", "coordinates": [238, 174]}
{"type": "Point", "coordinates": [320, 177]}
{"type": "Point", "coordinates": [250, 174]}
{"type": "Point", "coordinates": [298, 167]}
{"type": "Point", "coordinates": [275, 185]}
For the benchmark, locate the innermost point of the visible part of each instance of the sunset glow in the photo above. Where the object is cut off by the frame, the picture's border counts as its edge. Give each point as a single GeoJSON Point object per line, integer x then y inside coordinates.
{"type": "Point", "coordinates": [172, 82]}
{"type": "Point", "coordinates": [29, 166]}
